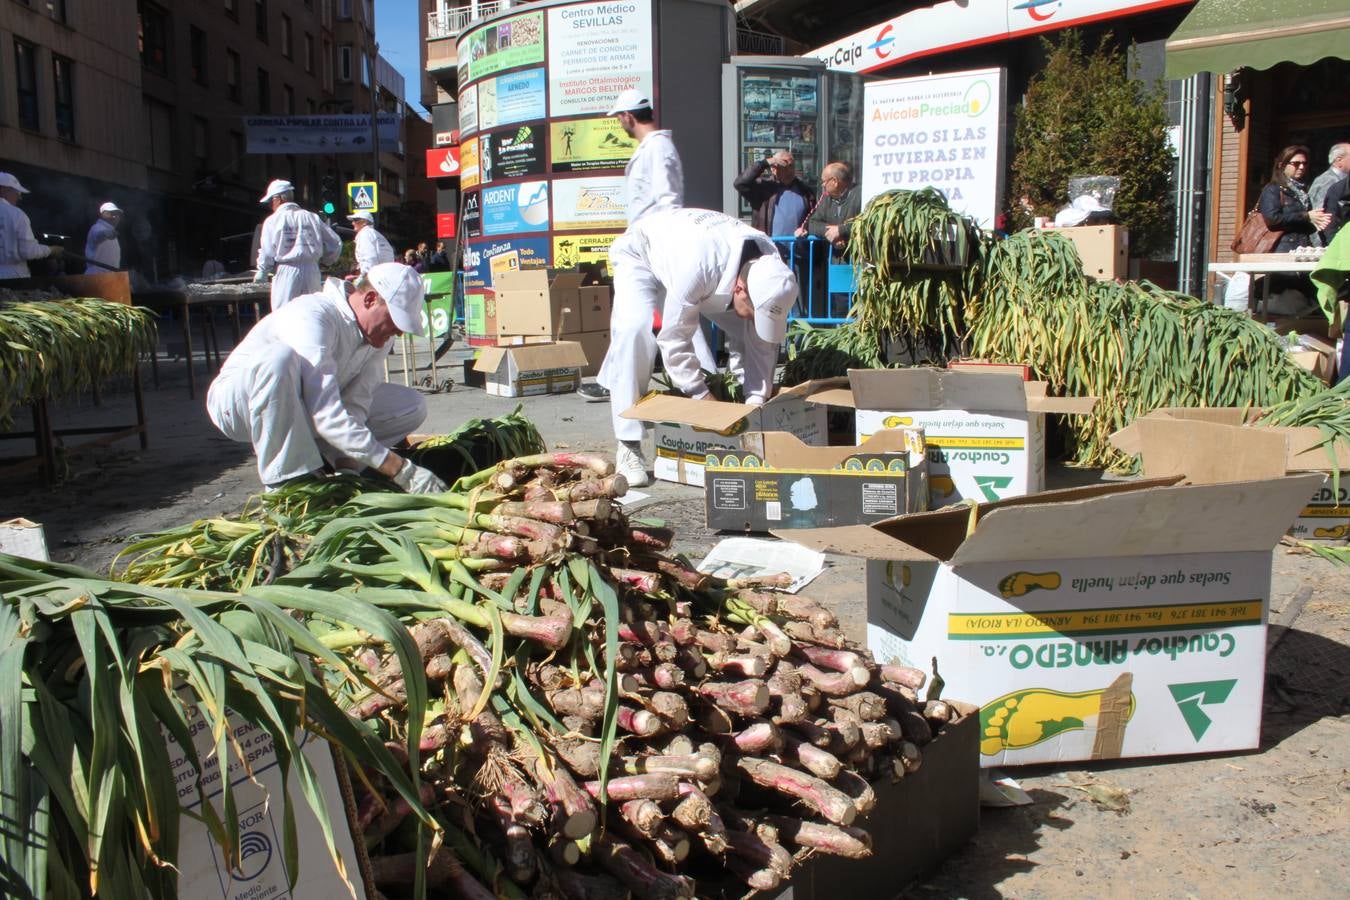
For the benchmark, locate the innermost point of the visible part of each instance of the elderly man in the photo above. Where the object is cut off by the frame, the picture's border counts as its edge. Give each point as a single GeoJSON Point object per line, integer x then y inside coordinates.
{"type": "Point", "coordinates": [692, 263]}
{"type": "Point", "coordinates": [372, 248]}
{"type": "Point", "coordinates": [779, 200]}
{"type": "Point", "coordinates": [306, 385]}
{"type": "Point", "coordinates": [294, 242]}
{"type": "Point", "coordinates": [1339, 159]}
{"type": "Point", "coordinates": [17, 243]}
{"type": "Point", "coordinates": [101, 245]}
{"type": "Point", "coordinates": [832, 220]}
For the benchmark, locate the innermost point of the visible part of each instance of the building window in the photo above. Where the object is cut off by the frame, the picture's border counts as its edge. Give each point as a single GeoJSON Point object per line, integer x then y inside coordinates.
{"type": "Point", "coordinates": [288, 99]}
{"type": "Point", "coordinates": [345, 62]}
{"type": "Point", "coordinates": [63, 93]}
{"type": "Point", "coordinates": [286, 36]}
{"type": "Point", "coordinates": [57, 10]}
{"type": "Point", "coordinates": [327, 64]}
{"type": "Point", "coordinates": [159, 127]}
{"type": "Point", "coordinates": [25, 68]}
{"type": "Point", "coordinates": [264, 91]}
{"type": "Point", "coordinates": [309, 53]}
{"type": "Point", "coordinates": [197, 50]}
{"type": "Point", "coordinates": [232, 9]}
{"type": "Point", "coordinates": [201, 142]}
{"type": "Point", "coordinates": [365, 71]}
{"type": "Point", "coordinates": [232, 75]}
{"type": "Point", "coordinates": [344, 9]}
{"type": "Point", "coordinates": [153, 37]}
{"type": "Point", "coordinates": [260, 18]}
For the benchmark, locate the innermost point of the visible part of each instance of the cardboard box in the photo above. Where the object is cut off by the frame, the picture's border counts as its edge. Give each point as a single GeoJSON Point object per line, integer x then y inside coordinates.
{"type": "Point", "coordinates": [529, 304]}
{"type": "Point", "coordinates": [596, 303]}
{"type": "Point", "coordinates": [22, 537]}
{"type": "Point", "coordinates": [595, 344]}
{"type": "Point", "coordinates": [1118, 620]}
{"type": "Point", "coordinates": [985, 432]}
{"type": "Point", "coordinates": [1316, 355]}
{"type": "Point", "coordinates": [773, 480]}
{"type": "Point", "coordinates": [684, 431]}
{"type": "Point", "coordinates": [1206, 442]}
{"type": "Point", "coordinates": [1104, 249]}
{"type": "Point", "coordinates": [526, 371]}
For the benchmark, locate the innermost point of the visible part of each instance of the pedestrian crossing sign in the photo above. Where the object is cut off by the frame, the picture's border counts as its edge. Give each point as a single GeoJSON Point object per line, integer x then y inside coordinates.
{"type": "Point", "coordinates": [363, 196]}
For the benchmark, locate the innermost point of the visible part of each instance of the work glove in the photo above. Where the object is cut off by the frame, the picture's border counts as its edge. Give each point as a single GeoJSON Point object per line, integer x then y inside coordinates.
{"type": "Point", "coordinates": [416, 480]}
{"type": "Point", "coordinates": [260, 277]}
{"type": "Point", "coordinates": [57, 251]}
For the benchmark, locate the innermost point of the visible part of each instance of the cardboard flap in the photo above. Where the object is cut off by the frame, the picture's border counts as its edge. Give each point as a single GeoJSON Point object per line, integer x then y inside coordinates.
{"type": "Point", "coordinates": [1161, 521]}
{"type": "Point", "coordinates": [1127, 439]}
{"type": "Point", "coordinates": [925, 389]}
{"type": "Point", "coordinates": [1206, 452]}
{"type": "Point", "coordinates": [833, 396]}
{"type": "Point", "coordinates": [854, 540]}
{"type": "Point", "coordinates": [567, 281]}
{"type": "Point", "coordinates": [712, 415]}
{"type": "Point", "coordinates": [783, 450]}
{"type": "Point", "coordinates": [1307, 453]}
{"type": "Point", "coordinates": [809, 389]}
{"type": "Point", "coordinates": [1038, 400]}
{"type": "Point", "coordinates": [520, 280]}
{"type": "Point", "coordinates": [490, 359]}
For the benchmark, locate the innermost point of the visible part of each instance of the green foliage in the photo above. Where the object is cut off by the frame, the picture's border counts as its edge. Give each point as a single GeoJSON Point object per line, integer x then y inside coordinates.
{"type": "Point", "coordinates": [1085, 114]}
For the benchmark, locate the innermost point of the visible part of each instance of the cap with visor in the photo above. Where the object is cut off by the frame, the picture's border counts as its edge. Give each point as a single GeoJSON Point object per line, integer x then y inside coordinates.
{"type": "Point", "coordinates": [403, 292]}
{"type": "Point", "coordinates": [279, 186]}
{"type": "Point", "coordinates": [773, 289]}
{"type": "Point", "coordinates": [630, 100]}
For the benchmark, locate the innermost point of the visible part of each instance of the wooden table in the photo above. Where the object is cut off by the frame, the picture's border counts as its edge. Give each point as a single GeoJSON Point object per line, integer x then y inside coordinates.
{"type": "Point", "coordinates": [185, 301]}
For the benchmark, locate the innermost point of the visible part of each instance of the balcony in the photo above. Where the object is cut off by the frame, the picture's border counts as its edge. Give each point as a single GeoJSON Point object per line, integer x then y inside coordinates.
{"type": "Point", "coordinates": [448, 22]}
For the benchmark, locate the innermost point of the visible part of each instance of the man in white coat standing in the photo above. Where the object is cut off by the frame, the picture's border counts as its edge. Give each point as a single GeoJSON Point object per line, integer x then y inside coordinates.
{"type": "Point", "coordinates": [294, 243]}
{"type": "Point", "coordinates": [17, 242]}
{"type": "Point", "coordinates": [372, 248]}
{"type": "Point", "coordinates": [653, 180]}
{"type": "Point", "coordinates": [306, 386]}
{"type": "Point", "coordinates": [101, 244]}
{"type": "Point", "coordinates": [692, 263]}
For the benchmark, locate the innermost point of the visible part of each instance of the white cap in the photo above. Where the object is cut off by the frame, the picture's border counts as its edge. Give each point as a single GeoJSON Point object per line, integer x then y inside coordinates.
{"type": "Point", "coordinates": [109, 207]}
{"type": "Point", "coordinates": [773, 290]}
{"type": "Point", "coordinates": [364, 215]}
{"type": "Point", "coordinates": [630, 100]}
{"type": "Point", "coordinates": [280, 186]}
{"type": "Point", "coordinates": [9, 181]}
{"type": "Point", "coordinates": [403, 291]}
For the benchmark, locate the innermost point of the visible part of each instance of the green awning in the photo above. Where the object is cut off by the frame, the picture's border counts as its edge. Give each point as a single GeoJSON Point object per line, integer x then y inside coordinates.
{"type": "Point", "coordinates": [1222, 35]}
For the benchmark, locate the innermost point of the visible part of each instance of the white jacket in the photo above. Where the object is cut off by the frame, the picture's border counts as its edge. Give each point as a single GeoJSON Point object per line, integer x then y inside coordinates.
{"type": "Point", "coordinates": [102, 245]}
{"type": "Point", "coordinates": [340, 373]}
{"type": "Point", "coordinates": [372, 248]}
{"type": "Point", "coordinates": [296, 237]}
{"type": "Point", "coordinates": [696, 255]}
{"type": "Point", "coordinates": [653, 178]}
{"type": "Point", "coordinates": [17, 243]}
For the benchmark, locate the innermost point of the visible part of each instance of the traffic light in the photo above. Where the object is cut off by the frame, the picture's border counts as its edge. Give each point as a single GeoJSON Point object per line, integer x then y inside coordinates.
{"type": "Point", "coordinates": [329, 208]}
{"type": "Point", "coordinates": [329, 195]}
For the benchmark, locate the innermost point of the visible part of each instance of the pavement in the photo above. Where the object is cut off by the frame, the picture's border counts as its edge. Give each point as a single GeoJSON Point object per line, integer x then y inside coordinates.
{"type": "Point", "coordinates": [1239, 825]}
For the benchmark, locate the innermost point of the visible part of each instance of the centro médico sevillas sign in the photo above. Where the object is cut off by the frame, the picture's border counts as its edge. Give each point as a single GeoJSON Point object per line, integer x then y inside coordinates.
{"type": "Point", "coordinates": [953, 25]}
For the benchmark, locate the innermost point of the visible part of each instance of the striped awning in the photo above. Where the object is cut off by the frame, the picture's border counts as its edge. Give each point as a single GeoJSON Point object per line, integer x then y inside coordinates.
{"type": "Point", "coordinates": [1223, 35]}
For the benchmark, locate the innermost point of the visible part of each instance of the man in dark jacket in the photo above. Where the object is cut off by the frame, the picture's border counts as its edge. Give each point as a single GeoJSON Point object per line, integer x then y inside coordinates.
{"type": "Point", "coordinates": [779, 200]}
{"type": "Point", "coordinates": [832, 221]}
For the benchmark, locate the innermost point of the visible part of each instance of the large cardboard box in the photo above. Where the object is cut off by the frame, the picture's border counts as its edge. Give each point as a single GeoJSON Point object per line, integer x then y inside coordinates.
{"type": "Point", "coordinates": [595, 344]}
{"type": "Point", "coordinates": [1207, 441]}
{"type": "Point", "coordinates": [596, 304]}
{"type": "Point", "coordinates": [985, 432]}
{"type": "Point", "coordinates": [1104, 249]}
{"type": "Point", "coordinates": [1118, 620]}
{"type": "Point", "coordinates": [773, 480]}
{"type": "Point", "coordinates": [526, 371]}
{"type": "Point", "coordinates": [530, 304]}
{"type": "Point", "coordinates": [684, 431]}
{"type": "Point", "coordinates": [22, 537]}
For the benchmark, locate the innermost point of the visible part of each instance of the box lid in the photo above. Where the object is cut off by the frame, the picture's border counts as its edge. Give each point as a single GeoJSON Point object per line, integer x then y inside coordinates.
{"type": "Point", "coordinates": [1303, 449]}
{"type": "Point", "coordinates": [1145, 518]}
{"type": "Point", "coordinates": [933, 389]}
{"type": "Point", "coordinates": [533, 357]}
{"type": "Point", "coordinates": [783, 450]}
{"type": "Point", "coordinates": [717, 415]}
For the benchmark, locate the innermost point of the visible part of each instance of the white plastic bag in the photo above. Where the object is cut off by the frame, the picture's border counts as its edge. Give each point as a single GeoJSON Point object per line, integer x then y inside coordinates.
{"type": "Point", "coordinates": [1237, 292]}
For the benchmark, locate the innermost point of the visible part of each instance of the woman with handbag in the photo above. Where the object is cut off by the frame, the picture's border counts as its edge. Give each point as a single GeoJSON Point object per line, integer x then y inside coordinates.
{"type": "Point", "coordinates": [1284, 202]}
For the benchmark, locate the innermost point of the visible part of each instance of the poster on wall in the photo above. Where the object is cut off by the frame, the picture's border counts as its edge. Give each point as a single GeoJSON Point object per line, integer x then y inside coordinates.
{"type": "Point", "coordinates": [571, 250]}
{"type": "Point", "coordinates": [941, 131]}
{"type": "Point", "coordinates": [514, 208]}
{"type": "Point", "coordinates": [484, 259]}
{"type": "Point", "coordinates": [473, 216]}
{"type": "Point", "coordinates": [514, 97]}
{"type": "Point", "coordinates": [588, 203]}
{"type": "Point", "coordinates": [516, 152]}
{"type": "Point", "coordinates": [517, 41]}
{"type": "Point", "coordinates": [468, 110]}
{"type": "Point", "coordinates": [584, 145]}
{"type": "Point", "coordinates": [595, 52]}
{"type": "Point", "coordinates": [468, 164]}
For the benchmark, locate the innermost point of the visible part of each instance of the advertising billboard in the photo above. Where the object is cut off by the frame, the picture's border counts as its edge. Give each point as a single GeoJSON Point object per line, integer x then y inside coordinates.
{"type": "Point", "coordinates": [515, 208]}
{"type": "Point", "coordinates": [506, 44]}
{"type": "Point", "coordinates": [596, 51]}
{"type": "Point", "coordinates": [588, 203]}
{"type": "Point", "coordinates": [584, 145]}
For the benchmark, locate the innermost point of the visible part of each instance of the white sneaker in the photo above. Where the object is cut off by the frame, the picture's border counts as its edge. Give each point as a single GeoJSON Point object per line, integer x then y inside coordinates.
{"type": "Point", "coordinates": [629, 462]}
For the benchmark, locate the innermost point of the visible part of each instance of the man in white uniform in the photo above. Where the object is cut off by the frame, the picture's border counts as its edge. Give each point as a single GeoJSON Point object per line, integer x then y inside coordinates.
{"type": "Point", "coordinates": [101, 245]}
{"type": "Point", "coordinates": [653, 180]}
{"type": "Point", "coordinates": [689, 263]}
{"type": "Point", "coordinates": [372, 248]}
{"type": "Point", "coordinates": [294, 242]}
{"type": "Point", "coordinates": [17, 243]}
{"type": "Point", "coordinates": [306, 385]}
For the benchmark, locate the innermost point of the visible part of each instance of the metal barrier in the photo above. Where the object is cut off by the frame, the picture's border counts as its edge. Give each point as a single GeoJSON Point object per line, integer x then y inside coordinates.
{"type": "Point", "coordinates": [817, 307]}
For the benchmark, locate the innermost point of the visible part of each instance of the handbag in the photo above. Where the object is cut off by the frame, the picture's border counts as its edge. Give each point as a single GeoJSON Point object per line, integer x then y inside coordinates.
{"type": "Point", "coordinates": [1255, 236]}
